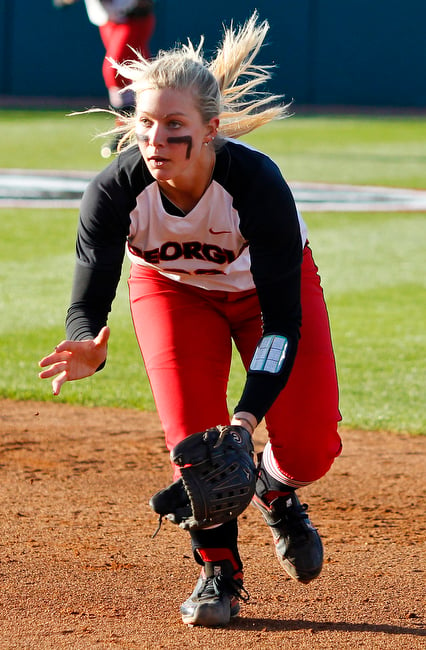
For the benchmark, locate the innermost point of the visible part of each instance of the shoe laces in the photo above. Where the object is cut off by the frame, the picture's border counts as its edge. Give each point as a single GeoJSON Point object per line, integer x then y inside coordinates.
{"type": "Point", "coordinates": [294, 514]}
{"type": "Point", "coordinates": [220, 584]}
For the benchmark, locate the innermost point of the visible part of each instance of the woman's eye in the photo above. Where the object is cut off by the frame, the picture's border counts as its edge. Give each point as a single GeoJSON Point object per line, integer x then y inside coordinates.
{"type": "Point", "coordinates": [144, 121]}
{"type": "Point", "coordinates": [174, 124]}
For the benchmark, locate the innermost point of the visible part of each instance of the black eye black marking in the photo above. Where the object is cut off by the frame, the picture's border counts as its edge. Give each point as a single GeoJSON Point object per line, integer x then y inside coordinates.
{"type": "Point", "coordinates": [185, 139]}
{"type": "Point", "coordinates": [142, 138]}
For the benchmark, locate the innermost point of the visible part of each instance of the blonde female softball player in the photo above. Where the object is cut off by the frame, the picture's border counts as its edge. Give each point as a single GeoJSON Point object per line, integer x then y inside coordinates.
{"type": "Point", "coordinates": [219, 254]}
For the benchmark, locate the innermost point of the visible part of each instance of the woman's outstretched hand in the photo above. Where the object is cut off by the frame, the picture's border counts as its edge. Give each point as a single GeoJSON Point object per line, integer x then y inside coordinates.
{"type": "Point", "coordinates": [74, 360]}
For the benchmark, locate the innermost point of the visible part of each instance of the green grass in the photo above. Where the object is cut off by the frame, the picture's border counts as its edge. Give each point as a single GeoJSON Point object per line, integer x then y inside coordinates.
{"type": "Point", "coordinates": [387, 151]}
{"type": "Point", "coordinates": [371, 264]}
{"type": "Point", "coordinates": [51, 140]}
{"type": "Point", "coordinates": [371, 270]}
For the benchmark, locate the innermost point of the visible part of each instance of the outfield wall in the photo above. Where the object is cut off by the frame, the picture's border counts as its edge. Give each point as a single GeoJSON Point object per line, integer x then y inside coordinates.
{"type": "Point", "coordinates": [357, 52]}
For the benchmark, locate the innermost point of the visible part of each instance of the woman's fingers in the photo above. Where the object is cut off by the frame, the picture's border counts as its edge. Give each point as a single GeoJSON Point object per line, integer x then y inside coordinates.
{"type": "Point", "coordinates": [53, 358]}
{"type": "Point", "coordinates": [103, 336]}
{"type": "Point", "coordinates": [54, 369]}
{"type": "Point", "coordinates": [58, 381]}
{"type": "Point", "coordinates": [74, 360]}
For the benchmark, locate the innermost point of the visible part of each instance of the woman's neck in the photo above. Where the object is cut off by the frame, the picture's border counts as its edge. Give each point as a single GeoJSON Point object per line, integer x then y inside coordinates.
{"type": "Point", "coordinates": [185, 193]}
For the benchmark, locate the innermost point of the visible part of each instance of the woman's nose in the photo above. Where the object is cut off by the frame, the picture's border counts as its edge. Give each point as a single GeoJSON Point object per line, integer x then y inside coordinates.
{"type": "Point", "coordinates": [155, 137]}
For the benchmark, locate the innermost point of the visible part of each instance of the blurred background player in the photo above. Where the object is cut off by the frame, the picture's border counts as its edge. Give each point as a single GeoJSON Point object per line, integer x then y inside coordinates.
{"type": "Point", "coordinates": [124, 26]}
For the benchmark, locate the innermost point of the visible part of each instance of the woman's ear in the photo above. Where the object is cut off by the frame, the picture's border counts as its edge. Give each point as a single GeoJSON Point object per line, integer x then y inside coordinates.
{"type": "Point", "coordinates": [212, 129]}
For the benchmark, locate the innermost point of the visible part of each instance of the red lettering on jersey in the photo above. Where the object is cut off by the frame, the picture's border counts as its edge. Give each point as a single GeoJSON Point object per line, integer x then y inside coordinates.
{"type": "Point", "coordinates": [192, 250]}
{"type": "Point", "coordinates": [135, 251]}
{"type": "Point", "coordinates": [230, 255]}
{"type": "Point", "coordinates": [170, 250]}
{"type": "Point", "coordinates": [208, 272]}
{"type": "Point", "coordinates": [188, 250]}
{"type": "Point", "coordinates": [152, 257]}
{"type": "Point", "coordinates": [214, 253]}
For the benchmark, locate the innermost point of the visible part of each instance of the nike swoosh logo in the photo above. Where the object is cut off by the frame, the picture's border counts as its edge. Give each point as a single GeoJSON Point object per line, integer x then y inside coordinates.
{"type": "Point", "coordinates": [219, 232]}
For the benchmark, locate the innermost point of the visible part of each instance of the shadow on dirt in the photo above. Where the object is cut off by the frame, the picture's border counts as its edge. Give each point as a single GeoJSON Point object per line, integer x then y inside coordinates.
{"type": "Point", "coordinates": [272, 625]}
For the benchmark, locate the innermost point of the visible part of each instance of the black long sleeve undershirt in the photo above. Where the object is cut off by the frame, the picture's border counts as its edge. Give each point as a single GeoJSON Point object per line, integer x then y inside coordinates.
{"type": "Point", "coordinates": [268, 221]}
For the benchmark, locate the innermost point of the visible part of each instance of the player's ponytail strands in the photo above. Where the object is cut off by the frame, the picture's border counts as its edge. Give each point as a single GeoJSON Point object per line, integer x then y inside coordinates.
{"type": "Point", "coordinates": [239, 77]}
{"type": "Point", "coordinates": [227, 87]}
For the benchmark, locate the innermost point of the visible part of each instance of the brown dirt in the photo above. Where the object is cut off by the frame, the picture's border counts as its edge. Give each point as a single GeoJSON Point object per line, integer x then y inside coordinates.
{"type": "Point", "coordinates": [79, 568]}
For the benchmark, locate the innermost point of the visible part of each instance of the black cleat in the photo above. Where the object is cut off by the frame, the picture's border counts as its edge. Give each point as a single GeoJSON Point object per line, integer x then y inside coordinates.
{"type": "Point", "coordinates": [297, 543]}
{"type": "Point", "coordinates": [215, 599]}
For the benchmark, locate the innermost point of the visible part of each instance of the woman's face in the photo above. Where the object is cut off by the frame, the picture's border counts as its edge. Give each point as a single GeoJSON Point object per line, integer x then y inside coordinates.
{"type": "Point", "coordinates": [171, 134]}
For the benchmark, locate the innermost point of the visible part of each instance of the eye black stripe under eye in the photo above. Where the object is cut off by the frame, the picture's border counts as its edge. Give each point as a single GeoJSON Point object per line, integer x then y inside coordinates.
{"type": "Point", "coordinates": [182, 139]}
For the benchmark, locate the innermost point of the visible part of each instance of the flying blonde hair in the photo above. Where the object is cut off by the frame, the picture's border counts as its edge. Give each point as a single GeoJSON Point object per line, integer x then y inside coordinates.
{"type": "Point", "coordinates": [226, 87]}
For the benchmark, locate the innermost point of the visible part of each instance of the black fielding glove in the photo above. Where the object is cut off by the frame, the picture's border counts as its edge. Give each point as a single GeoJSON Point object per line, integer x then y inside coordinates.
{"type": "Point", "coordinates": [218, 478]}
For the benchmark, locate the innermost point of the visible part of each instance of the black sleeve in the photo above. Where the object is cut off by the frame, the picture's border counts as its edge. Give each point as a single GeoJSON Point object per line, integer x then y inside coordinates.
{"type": "Point", "coordinates": [270, 223]}
{"type": "Point", "coordinates": [101, 238]}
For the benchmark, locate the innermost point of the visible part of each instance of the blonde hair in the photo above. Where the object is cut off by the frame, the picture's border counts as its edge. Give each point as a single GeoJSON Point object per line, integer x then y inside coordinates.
{"type": "Point", "coordinates": [226, 87]}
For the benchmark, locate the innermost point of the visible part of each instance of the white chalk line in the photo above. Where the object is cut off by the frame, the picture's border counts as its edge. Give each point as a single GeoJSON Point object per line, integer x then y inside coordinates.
{"type": "Point", "coordinates": [63, 189]}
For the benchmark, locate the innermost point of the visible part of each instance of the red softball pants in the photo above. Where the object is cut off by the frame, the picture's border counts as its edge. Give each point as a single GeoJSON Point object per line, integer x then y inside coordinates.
{"type": "Point", "coordinates": [117, 37]}
{"type": "Point", "coordinates": [185, 336]}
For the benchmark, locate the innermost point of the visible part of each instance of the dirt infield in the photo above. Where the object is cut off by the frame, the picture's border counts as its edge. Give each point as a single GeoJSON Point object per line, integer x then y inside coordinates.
{"type": "Point", "coordinates": [79, 569]}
